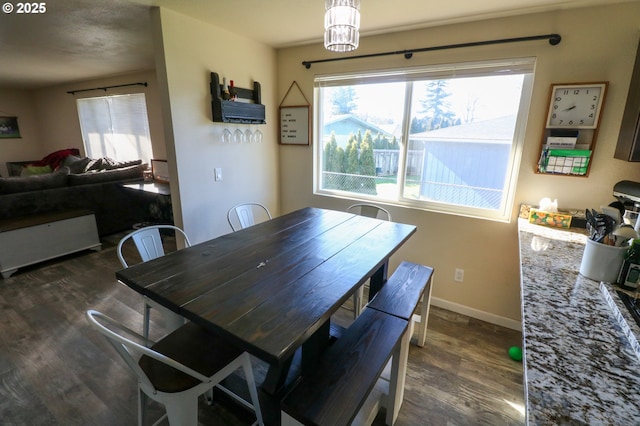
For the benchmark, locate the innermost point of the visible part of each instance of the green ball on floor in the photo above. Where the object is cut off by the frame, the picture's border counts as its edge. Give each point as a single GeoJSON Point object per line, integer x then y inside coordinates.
{"type": "Point", "coordinates": [515, 353]}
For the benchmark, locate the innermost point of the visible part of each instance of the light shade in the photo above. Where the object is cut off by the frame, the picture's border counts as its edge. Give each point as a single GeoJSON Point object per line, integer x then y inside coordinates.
{"type": "Point", "coordinates": [341, 25]}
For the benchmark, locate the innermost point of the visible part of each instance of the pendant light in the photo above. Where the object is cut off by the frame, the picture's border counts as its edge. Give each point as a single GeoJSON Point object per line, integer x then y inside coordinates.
{"type": "Point", "coordinates": [341, 25]}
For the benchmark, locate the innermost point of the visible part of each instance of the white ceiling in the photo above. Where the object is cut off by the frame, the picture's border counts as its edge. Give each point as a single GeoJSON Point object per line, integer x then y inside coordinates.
{"type": "Point", "coordinates": [83, 39]}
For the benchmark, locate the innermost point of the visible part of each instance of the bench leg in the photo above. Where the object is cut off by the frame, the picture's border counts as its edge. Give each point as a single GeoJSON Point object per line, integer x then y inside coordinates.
{"type": "Point", "coordinates": [397, 379]}
{"type": "Point", "coordinates": [424, 316]}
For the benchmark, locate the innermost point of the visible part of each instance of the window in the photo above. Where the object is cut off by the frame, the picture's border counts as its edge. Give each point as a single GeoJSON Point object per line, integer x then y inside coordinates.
{"type": "Point", "coordinates": [446, 138]}
{"type": "Point", "coordinates": [116, 127]}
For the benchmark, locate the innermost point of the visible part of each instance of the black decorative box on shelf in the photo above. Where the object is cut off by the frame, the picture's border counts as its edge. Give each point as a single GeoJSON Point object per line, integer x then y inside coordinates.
{"type": "Point", "coordinates": [247, 109]}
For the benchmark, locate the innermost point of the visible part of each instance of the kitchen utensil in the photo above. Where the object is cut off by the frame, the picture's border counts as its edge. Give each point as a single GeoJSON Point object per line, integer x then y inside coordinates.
{"type": "Point", "coordinates": [591, 223]}
{"type": "Point", "coordinates": [623, 234]}
{"type": "Point", "coordinates": [618, 205]}
{"type": "Point", "coordinates": [604, 226]}
{"type": "Point", "coordinates": [612, 212]}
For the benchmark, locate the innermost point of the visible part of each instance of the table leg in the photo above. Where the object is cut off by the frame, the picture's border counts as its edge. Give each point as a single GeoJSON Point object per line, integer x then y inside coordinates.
{"type": "Point", "coordinates": [313, 348]}
{"type": "Point", "coordinates": [378, 279]}
{"type": "Point", "coordinates": [276, 377]}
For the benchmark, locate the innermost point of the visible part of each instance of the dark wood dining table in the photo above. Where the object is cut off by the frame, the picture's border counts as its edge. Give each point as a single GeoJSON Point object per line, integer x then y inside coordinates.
{"type": "Point", "coordinates": [273, 287]}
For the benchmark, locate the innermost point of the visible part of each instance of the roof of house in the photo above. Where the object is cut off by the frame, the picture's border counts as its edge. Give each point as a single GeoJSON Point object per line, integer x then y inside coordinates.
{"type": "Point", "coordinates": [499, 129]}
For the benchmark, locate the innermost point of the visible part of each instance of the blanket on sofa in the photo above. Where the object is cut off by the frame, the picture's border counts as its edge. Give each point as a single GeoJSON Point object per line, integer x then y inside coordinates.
{"type": "Point", "coordinates": [54, 159]}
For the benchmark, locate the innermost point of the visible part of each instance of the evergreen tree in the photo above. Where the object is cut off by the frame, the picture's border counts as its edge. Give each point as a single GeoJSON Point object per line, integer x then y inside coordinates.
{"type": "Point", "coordinates": [352, 156]}
{"type": "Point", "coordinates": [343, 100]}
{"type": "Point", "coordinates": [329, 164]}
{"type": "Point", "coordinates": [435, 107]}
{"type": "Point", "coordinates": [367, 167]}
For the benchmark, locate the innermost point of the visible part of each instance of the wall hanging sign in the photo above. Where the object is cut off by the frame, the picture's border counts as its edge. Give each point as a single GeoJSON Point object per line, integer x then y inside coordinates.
{"type": "Point", "coordinates": [294, 126]}
{"type": "Point", "coordinates": [9, 128]}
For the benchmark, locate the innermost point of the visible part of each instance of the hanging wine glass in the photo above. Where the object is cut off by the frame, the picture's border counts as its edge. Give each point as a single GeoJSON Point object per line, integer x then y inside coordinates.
{"type": "Point", "coordinates": [237, 136]}
{"type": "Point", "coordinates": [257, 136]}
{"type": "Point", "coordinates": [226, 136]}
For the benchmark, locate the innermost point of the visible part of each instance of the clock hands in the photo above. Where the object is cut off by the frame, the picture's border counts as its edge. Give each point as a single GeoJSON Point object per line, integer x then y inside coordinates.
{"type": "Point", "coordinates": [570, 108]}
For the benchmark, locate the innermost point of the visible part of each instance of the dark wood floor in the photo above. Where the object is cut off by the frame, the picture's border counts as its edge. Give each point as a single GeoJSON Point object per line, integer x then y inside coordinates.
{"type": "Point", "coordinates": [54, 370]}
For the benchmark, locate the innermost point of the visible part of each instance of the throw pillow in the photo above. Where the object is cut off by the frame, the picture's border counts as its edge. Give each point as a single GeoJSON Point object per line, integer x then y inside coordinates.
{"type": "Point", "coordinates": [35, 170]}
{"type": "Point", "coordinates": [76, 164]}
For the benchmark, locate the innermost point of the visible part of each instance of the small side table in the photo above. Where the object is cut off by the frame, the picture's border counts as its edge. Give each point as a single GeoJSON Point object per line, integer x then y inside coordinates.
{"type": "Point", "coordinates": [160, 208]}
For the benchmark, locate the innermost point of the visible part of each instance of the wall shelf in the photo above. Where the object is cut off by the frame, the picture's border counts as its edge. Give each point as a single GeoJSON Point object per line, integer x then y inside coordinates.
{"type": "Point", "coordinates": [248, 109]}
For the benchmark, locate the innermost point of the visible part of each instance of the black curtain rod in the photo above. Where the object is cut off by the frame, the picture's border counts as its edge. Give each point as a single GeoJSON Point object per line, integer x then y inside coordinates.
{"type": "Point", "coordinates": [73, 92]}
{"type": "Point", "coordinates": [554, 39]}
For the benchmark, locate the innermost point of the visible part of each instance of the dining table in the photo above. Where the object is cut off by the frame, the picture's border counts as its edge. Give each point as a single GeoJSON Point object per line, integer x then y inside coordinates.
{"type": "Point", "coordinates": [272, 288]}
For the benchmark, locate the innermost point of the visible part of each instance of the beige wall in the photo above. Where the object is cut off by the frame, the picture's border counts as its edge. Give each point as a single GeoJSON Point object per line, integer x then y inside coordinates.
{"type": "Point", "coordinates": [598, 44]}
{"type": "Point", "coordinates": [19, 103]}
{"type": "Point", "coordinates": [58, 114]}
{"type": "Point", "coordinates": [48, 117]}
{"type": "Point", "coordinates": [187, 51]}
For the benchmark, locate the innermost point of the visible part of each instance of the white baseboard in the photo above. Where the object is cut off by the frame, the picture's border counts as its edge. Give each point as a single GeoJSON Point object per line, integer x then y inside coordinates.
{"type": "Point", "coordinates": [474, 313]}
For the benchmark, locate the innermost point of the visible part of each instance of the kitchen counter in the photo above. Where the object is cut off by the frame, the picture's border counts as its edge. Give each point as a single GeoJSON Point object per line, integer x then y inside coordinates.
{"type": "Point", "coordinates": [580, 345]}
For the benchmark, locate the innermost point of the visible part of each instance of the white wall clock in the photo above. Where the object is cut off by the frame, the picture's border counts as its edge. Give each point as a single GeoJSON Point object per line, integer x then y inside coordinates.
{"type": "Point", "coordinates": [576, 106]}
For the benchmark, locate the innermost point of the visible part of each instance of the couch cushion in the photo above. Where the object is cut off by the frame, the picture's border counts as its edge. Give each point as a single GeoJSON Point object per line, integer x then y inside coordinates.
{"type": "Point", "coordinates": [125, 173]}
{"type": "Point", "coordinates": [76, 164]}
{"type": "Point", "coordinates": [55, 179]}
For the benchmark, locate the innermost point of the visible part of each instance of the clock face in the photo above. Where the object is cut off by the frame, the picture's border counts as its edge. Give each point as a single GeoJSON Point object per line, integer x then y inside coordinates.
{"type": "Point", "coordinates": [575, 106]}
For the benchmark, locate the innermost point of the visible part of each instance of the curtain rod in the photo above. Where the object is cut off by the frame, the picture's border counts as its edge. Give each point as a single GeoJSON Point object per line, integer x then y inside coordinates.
{"type": "Point", "coordinates": [554, 39]}
{"type": "Point", "coordinates": [73, 92]}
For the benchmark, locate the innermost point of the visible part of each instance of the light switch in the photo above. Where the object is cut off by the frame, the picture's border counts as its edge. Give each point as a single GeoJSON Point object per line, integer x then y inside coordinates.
{"type": "Point", "coordinates": [218, 174]}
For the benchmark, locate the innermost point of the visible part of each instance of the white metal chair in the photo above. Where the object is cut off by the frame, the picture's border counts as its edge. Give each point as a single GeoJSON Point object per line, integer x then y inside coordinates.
{"type": "Point", "coordinates": [244, 215]}
{"type": "Point", "coordinates": [179, 368]}
{"type": "Point", "coordinates": [370, 210]}
{"type": "Point", "coordinates": [148, 241]}
{"type": "Point", "coordinates": [376, 212]}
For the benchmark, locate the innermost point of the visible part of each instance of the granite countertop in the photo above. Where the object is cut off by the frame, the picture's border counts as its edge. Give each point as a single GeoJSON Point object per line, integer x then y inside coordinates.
{"type": "Point", "coordinates": [580, 345]}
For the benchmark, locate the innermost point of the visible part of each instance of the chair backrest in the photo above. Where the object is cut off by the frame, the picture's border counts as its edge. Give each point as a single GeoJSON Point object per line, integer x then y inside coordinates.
{"type": "Point", "coordinates": [370, 210]}
{"type": "Point", "coordinates": [148, 242]}
{"type": "Point", "coordinates": [131, 351]}
{"type": "Point", "coordinates": [244, 215]}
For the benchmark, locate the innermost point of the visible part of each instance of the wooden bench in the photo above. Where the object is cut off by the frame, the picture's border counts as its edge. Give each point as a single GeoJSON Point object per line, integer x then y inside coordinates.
{"type": "Point", "coordinates": [400, 296]}
{"type": "Point", "coordinates": [340, 391]}
{"type": "Point", "coordinates": [36, 238]}
{"type": "Point", "coordinates": [409, 284]}
{"type": "Point", "coordinates": [350, 387]}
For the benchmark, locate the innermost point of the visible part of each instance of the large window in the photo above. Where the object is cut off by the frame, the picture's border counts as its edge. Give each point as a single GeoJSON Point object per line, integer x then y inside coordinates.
{"type": "Point", "coordinates": [445, 138]}
{"type": "Point", "coordinates": [116, 127]}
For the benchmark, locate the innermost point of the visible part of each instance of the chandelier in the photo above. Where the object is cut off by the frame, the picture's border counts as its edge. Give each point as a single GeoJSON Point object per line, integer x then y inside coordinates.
{"type": "Point", "coordinates": [341, 25]}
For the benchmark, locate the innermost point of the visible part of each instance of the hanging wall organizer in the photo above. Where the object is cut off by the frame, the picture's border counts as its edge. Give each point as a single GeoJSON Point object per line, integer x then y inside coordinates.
{"type": "Point", "coordinates": [248, 109]}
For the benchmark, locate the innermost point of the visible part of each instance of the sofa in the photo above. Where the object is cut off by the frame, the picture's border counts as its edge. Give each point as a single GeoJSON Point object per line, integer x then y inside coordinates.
{"type": "Point", "coordinates": [78, 183]}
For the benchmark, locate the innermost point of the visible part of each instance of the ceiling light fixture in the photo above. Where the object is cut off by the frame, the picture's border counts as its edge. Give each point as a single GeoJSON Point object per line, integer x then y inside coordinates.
{"type": "Point", "coordinates": [341, 25]}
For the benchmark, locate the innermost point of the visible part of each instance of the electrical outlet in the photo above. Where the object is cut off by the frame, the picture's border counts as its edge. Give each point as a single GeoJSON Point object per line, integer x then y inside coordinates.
{"type": "Point", "coordinates": [218, 174]}
{"type": "Point", "coordinates": [459, 276]}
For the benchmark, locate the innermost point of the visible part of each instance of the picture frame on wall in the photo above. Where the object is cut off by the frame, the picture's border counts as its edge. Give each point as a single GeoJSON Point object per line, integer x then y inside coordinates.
{"type": "Point", "coordinates": [9, 128]}
{"type": "Point", "coordinates": [294, 125]}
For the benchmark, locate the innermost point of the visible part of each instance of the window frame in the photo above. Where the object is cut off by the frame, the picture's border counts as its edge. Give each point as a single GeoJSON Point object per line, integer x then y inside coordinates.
{"type": "Point", "coordinates": [510, 66]}
{"type": "Point", "coordinates": [109, 100]}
